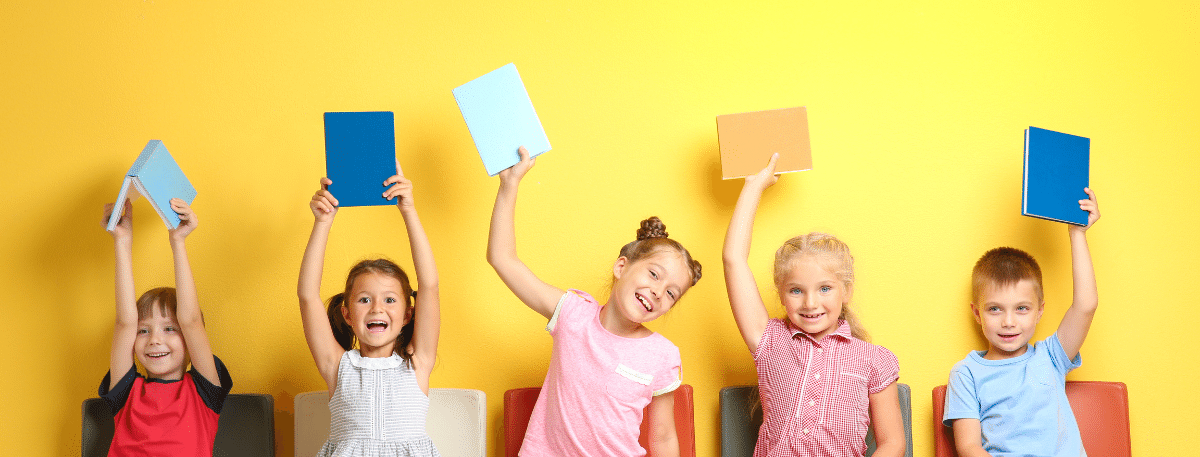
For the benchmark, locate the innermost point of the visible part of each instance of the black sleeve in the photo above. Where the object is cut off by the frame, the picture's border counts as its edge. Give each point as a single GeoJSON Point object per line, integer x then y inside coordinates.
{"type": "Point", "coordinates": [214, 396]}
{"type": "Point", "coordinates": [120, 393]}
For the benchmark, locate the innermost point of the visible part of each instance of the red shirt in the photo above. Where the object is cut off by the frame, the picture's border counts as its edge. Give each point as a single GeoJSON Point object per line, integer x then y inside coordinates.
{"type": "Point", "coordinates": [165, 418]}
{"type": "Point", "coordinates": [815, 393]}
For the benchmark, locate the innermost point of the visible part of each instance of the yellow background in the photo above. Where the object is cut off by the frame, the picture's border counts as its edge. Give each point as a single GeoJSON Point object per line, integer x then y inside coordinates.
{"type": "Point", "coordinates": [916, 112]}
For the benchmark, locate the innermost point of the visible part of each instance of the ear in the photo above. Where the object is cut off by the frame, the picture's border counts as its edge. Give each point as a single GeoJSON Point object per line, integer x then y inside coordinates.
{"type": "Point", "coordinates": [345, 313]}
{"type": "Point", "coordinates": [1041, 308]}
{"type": "Point", "coordinates": [409, 311]}
{"type": "Point", "coordinates": [975, 311]}
{"type": "Point", "coordinates": [619, 266]}
{"type": "Point", "coordinates": [849, 293]}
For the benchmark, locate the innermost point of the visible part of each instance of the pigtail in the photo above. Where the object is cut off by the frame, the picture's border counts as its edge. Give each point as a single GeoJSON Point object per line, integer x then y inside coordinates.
{"type": "Point", "coordinates": [337, 323]}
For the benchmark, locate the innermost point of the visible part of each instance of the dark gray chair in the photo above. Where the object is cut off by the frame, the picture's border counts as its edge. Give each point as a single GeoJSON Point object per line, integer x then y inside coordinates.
{"type": "Point", "coordinates": [246, 427]}
{"type": "Point", "coordinates": [739, 427]}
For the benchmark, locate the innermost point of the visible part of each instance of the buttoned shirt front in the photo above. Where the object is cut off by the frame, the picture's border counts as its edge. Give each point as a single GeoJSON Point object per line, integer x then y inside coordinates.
{"type": "Point", "coordinates": [815, 393]}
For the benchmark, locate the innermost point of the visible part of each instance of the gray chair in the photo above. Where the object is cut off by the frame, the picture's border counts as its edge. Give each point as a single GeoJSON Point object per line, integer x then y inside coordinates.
{"type": "Point", "coordinates": [246, 427]}
{"type": "Point", "coordinates": [741, 416]}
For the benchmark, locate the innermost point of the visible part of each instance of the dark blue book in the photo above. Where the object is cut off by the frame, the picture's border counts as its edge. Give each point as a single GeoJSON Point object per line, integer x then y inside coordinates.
{"type": "Point", "coordinates": [156, 176]}
{"type": "Point", "coordinates": [1056, 171]}
{"type": "Point", "coordinates": [360, 154]}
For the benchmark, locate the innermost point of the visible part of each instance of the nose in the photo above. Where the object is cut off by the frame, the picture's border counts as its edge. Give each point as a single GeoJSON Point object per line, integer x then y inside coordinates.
{"type": "Point", "coordinates": [1008, 320]}
{"type": "Point", "coordinates": [155, 336]}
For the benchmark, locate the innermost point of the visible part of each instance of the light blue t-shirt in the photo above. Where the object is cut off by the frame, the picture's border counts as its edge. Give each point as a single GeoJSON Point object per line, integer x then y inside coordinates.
{"type": "Point", "coordinates": [1021, 402]}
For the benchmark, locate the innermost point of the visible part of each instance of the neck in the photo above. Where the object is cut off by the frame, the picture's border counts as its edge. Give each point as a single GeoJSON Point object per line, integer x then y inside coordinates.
{"type": "Point", "coordinates": [616, 324]}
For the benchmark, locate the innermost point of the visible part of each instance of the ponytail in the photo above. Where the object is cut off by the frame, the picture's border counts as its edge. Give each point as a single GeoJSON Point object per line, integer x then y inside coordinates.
{"type": "Point", "coordinates": [341, 330]}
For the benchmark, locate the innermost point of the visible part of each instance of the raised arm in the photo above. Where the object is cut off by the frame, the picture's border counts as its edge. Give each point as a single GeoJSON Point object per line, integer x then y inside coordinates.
{"type": "Point", "coordinates": [120, 358]}
{"type": "Point", "coordinates": [748, 309]}
{"type": "Point", "coordinates": [428, 308]}
{"type": "Point", "coordinates": [1078, 319]}
{"type": "Point", "coordinates": [502, 244]}
{"type": "Point", "coordinates": [187, 307]}
{"type": "Point", "coordinates": [325, 349]}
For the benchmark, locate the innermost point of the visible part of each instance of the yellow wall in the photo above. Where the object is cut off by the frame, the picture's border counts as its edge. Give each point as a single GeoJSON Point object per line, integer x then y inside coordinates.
{"type": "Point", "coordinates": [916, 113]}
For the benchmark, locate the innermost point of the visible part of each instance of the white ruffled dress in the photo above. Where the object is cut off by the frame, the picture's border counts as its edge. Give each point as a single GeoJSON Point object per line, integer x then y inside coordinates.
{"type": "Point", "coordinates": [377, 409]}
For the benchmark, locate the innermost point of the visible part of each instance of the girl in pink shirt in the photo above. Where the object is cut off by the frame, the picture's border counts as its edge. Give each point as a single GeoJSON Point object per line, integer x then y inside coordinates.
{"type": "Point", "coordinates": [606, 367]}
{"type": "Point", "coordinates": [821, 384]}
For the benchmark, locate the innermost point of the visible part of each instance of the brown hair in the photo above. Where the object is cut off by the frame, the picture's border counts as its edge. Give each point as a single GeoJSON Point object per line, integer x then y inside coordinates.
{"type": "Point", "coordinates": [834, 255]}
{"type": "Point", "coordinates": [1002, 267]}
{"type": "Point", "coordinates": [162, 297]}
{"type": "Point", "coordinates": [342, 331]}
{"type": "Point", "coordinates": [652, 238]}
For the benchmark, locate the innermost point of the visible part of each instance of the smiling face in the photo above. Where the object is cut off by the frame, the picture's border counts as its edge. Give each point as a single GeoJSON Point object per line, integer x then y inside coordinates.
{"type": "Point", "coordinates": [1008, 316]}
{"type": "Point", "coordinates": [813, 297]}
{"type": "Point", "coordinates": [159, 345]}
{"type": "Point", "coordinates": [376, 311]}
{"type": "Point", "coordinates": [648, 288]}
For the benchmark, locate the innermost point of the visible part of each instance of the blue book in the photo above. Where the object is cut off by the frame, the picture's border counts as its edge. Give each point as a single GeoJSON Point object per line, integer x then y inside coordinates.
{"type": "Point", "coordinates": [1056, 171]}
{"type": "Point", "coordinates": [501, 118]}
{"type": "Point", "coordinates": [156, 176]}
{"type": "Point", "coordinates": [360, 154]}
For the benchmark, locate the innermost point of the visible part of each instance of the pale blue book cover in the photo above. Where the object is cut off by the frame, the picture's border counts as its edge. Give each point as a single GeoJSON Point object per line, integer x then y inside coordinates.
{"type": "Point", "coordinates": [157, 176]}
{"type": "Point", "coordinates": [501, 118]}
{"type": "Point", "coordinates": [1056, 171]}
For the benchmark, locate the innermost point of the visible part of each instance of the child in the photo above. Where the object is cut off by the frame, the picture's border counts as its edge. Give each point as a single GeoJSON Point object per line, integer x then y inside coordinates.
{"type": "Point", "coordinates": [1011, 399]}
{"type": "Point", "coordinates": [378, 392]}
{"type": "Point", "coordinates": [606, 366]}
{"type": "Point", "coordinates": [172, 410]}
{"type": "Point", "coordinates": [821, 384]}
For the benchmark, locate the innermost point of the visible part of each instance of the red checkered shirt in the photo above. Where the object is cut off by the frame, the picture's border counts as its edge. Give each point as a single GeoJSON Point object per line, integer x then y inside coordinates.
{"type": "Point", "coordinates": [814, 393]}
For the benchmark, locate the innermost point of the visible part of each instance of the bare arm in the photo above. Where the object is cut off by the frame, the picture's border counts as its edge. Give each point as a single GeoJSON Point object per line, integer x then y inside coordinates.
{"type": "Point", "coordinates": [748, 309]}
{"type": "Point", "coordinates": [968, 438]}
{"type": "Point", "coordinates": [120, 357]}
{"type": "Point", "coordinates": [664, 440]}
{"type": "Point", "coordinates": [502, 245]}
{"type": "Point", "coordinates": [1078, 319]}
{"type": "Point", "coordinates": [428, 312]}
{"type": "Point", "coordinates": [887, 422]}
{"type": "Point", "coordinates": [325, 349]}
{"type": "Point", "coordinates": [187, 307]}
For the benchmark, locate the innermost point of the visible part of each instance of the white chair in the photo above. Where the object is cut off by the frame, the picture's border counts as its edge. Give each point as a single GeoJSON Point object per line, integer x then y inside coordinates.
{"type": "Point", "coordinates": [457, 422]}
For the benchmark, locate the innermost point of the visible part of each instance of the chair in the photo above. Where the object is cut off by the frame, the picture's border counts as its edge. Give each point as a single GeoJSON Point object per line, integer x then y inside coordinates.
{"type": "Point", "coordinates": [246, 427]}
{"type": "Point", "coordinates": [456, 422]}
{"type": "Point", "coordinates": [739, 428]}
{"type": "Point", "coordinates": [518, 407]}
{"type": "Point", "coordinates": [1101, 411]}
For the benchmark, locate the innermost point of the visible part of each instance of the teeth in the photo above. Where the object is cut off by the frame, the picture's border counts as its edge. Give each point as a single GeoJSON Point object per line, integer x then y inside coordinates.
{"type": "Point", "coordinates": [645, 304]}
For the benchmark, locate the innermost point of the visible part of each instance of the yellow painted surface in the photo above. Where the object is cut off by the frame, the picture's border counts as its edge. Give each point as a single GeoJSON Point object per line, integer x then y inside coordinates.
{"type": "Point", "coordinates": [916, 113]}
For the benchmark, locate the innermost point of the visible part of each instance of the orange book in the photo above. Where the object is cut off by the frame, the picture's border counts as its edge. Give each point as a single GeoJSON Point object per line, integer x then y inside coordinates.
{"type": "Point", "coordinates": [748, 139]}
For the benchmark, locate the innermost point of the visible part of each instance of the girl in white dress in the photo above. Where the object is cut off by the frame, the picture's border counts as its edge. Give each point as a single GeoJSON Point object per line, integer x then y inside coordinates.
{"type": "Point", "coordinates": [379, 390]}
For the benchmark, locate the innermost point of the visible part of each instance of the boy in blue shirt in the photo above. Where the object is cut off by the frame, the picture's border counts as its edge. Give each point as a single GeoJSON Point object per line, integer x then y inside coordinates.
{"type": "Point", "coordinates": [1011, 399]}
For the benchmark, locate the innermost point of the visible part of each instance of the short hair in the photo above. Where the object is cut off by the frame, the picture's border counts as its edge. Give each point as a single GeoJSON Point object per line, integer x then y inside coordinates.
{"type": "Point", "coordinates": [162, 297]}
{"type": "Point", "coordinates": [1002, 267]}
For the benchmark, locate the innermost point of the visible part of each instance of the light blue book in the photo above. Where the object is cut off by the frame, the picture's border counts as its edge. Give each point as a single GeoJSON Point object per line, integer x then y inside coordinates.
{"type": "Point", "coordinates": [156, 176]}
{"type": "Point", "coordinates": [501, 118]}
{"type": "Point", "coordinates": [1056, 171]}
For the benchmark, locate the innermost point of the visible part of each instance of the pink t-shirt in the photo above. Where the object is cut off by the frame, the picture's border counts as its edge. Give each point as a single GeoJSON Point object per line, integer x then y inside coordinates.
{"type": "Point", "coordinates": [815, 394]}
{"type": "Point", "coordinates": [597, 385]}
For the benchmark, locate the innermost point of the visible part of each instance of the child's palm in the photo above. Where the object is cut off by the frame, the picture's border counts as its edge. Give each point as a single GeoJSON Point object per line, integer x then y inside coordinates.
{"type": "Point", "coordinates": [323, 204]}
{"type": "Point", "coordinates": [124, 228]}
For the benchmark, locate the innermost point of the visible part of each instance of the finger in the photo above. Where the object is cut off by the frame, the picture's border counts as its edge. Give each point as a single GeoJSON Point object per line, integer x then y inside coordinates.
{"type": "Point", "coordinates": [523, 153]}
{"type": "Point", "coordinates": [327, 195]}
{"type": "Point", "coordinates": [325, 182]}
{"type": "Point", "coordinates": [399, 171]}
{"type": "Point", "coordinates": [771, 163]}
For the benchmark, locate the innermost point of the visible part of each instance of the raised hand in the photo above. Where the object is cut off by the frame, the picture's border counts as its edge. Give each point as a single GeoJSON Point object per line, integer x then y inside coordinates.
{"type": "Point", "coordinates": [124, 228]}
{"type": "Point", "coordinates": [1092, 207]}
{"type": "Point", "coordinates": [765, 177]}
{"type": "Point", "coordinates": [323, 205]}
{"type": "Point", "coordinates": [512, 175]}
{"type": "Point", "coordinates": [401, 190]}
{"type": "Point", "coordinates": [187, 219]}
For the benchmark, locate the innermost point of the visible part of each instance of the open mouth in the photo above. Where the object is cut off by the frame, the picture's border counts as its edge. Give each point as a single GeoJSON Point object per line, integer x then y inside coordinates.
{"type": "Point", "coordinates": [812, 316]}
{"type": "Point", "coordinates": [157, 355]}
{"type": "Point", "coordinates": [1009, 337]}
{"type": "Point", "coordinates": [377, 326]}
{"type": "Point", "coordinates": [645, 303]}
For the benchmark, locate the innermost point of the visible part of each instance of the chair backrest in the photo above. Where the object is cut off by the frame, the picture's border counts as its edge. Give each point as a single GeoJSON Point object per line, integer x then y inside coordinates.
{"type": "Point", "coordinates": [518, 406]}
{"type": "Point", "coordinates": [741, 416]}
{"type": "Point", "coordinates": [457, 422]}
{"type": "Point", "coordinates": [1101, 411]}
{"type": "Point", "coordinates": [246, 427]}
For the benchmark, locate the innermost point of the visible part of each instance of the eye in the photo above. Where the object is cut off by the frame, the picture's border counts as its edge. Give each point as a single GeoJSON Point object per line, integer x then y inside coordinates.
{"type": "Point", "coordinates": [391, 299]}
{"type": "Point", "coordinates": [993, 309]}
{"type": "Point", "coordinates": [1023, 308]}
{"type": "Point", "coordinates": [169, 328]}
{"type": "Point", "coordinates": [794, 291]}
{"type": "Point", "coordinates": [653, 274]}
{"type": "Point", "coordinates": [143, 330]}
{"type": "Point", "coordinates": [826, 289]}
{"type": "Point", "coordinates": [671, 294]}
{"type": "Point", "coordinates": [364, 300]}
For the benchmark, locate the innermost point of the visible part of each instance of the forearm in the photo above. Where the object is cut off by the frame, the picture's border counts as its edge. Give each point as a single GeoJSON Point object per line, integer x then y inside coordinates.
{"type": "Point", "coordinates": [422, 252]}
{"type": "Point", "coordinates": [749, 312]}
{"type": "Point", "coordinates": [665, 447]}
{"type": "Point", "coordinates": [187, 307]}
{"type": "Point", "coordinates": [1083, 275]}
{"type": "Point", "coordinates": [308, 287]}
{"type": "Point", "coordinates": [741, 227]}
{"type": "Point", "coordinates": [125, 293]}
{"type": "Point", "coordinates": [502, 236]}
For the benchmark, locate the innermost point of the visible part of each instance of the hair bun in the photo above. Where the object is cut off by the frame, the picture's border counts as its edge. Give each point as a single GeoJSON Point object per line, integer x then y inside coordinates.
{"type": "Point", "coordinates": [652, 228]}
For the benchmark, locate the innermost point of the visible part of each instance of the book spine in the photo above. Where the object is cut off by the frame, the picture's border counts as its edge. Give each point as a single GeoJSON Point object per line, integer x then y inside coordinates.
{"type": "Point", "coordinates": [119, 206]}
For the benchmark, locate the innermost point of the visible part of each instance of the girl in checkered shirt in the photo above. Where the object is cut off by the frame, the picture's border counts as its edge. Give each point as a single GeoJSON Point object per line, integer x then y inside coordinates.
{"type": "Point", "coordinates": [821, 383]}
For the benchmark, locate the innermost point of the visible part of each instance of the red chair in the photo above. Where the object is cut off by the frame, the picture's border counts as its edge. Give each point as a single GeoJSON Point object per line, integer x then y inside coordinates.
{"type": "Point", "coordinates": [1101, 410]}
{"type": "Point", "coordinates": [518, 406]}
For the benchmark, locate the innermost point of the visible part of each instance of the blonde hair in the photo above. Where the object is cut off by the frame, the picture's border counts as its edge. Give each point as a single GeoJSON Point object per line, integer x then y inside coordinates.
{"type": "Point", "coordinates": [834, 255]}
